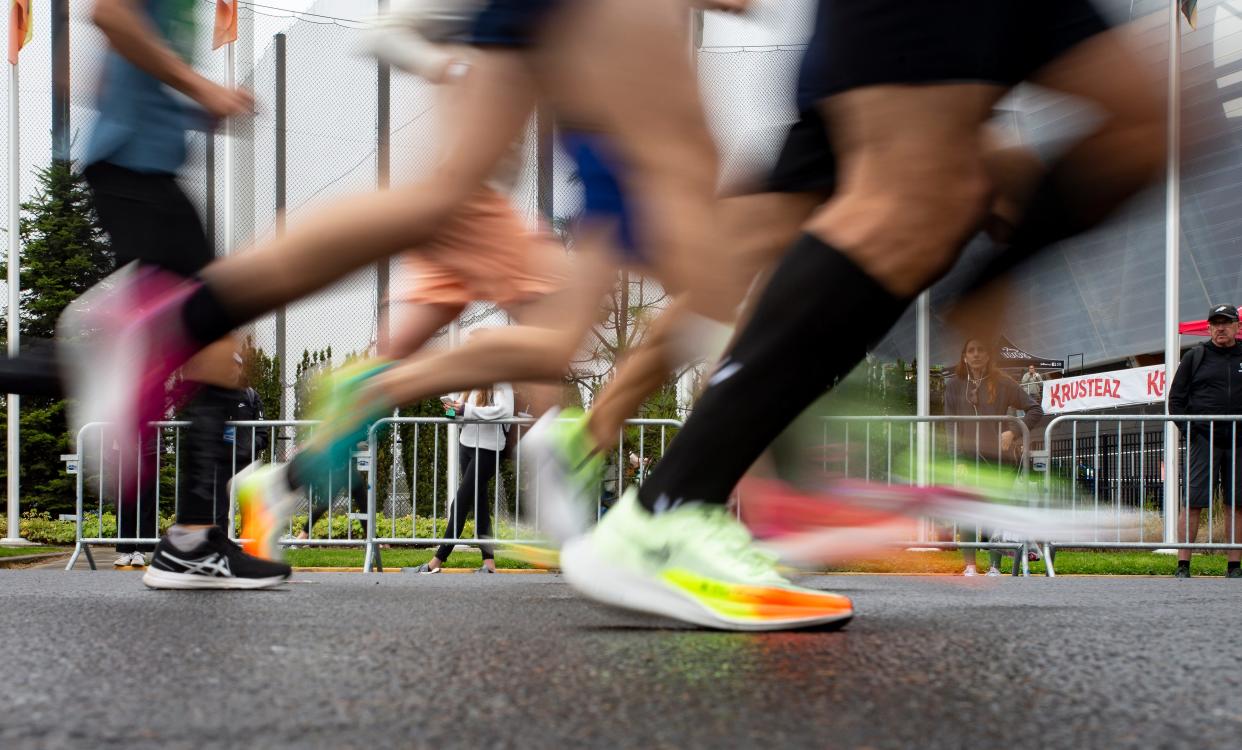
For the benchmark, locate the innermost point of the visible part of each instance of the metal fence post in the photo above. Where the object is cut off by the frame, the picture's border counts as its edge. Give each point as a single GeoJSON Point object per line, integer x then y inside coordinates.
{"type": "Point", "coordinates": [383, 166]}
{"type": "Point", "coordinates": [1172, 260]}
{"type": "Point", "coordinates": [282, 358]}
{"type": "Point", "coordinates": [371, 560]}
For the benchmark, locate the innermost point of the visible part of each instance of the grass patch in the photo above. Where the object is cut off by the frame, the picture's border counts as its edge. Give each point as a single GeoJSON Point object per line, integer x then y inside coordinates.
{"type": "Point", "coordinates": [396, 557]}
{"type": "Point", "coordinates": [910, 563]}
{"type": "Point", "coordinates": [22, 551]}
{"type": "Point", "coordinates": [1067, 563]}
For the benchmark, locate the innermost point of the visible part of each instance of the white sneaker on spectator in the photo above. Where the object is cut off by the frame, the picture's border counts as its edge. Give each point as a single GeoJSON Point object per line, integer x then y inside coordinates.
{"type": "Point", "coordinates": [122, 560]}
{"type": "Point", "coordinates": [993, 572]}
{"type": "Point", "coordinates": [970, 571]}
{"type": "Point", "coordinates": [138, 560]}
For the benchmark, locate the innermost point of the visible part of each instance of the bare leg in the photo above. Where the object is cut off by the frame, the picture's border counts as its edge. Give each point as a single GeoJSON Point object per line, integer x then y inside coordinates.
{"type": "Point", "coordinates": [914, 185]}
{"type": "Point", "coordinates": [496, 98]}
{"type": "Point", "coordinates": [650, 102]}
{"type": "Point", "coordinates": [759, 228]}
{"type": "Point", "coordinates": [214, 365]}
{"type": "Point", "coordinates": [415, 327]}
{"type": "Point", "coordinates": [539, 348]}
{"type": "Point", "coordinates": [763, 225]}
{"type": "Point", "coordinates": [1106, 168]}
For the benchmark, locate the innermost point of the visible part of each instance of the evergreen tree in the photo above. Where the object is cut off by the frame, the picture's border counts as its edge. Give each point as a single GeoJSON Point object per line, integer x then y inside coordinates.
{"type": "Point", "coordinates": [261, 371]}
{"type": "Point", "coordinates": [64, 253]}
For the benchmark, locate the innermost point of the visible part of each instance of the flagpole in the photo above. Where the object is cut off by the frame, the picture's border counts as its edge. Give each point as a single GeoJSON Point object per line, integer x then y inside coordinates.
{"type": "Point", "coordinates": [230, 80]}
{"type": "Point", "coordinates": [13, 459]}
{"type": "Point", "coordinates": [1172, 260]}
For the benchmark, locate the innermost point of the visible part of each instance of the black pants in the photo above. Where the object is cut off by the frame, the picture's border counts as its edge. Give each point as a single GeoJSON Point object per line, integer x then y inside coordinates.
{"type": "Point", "coordinates": [136, 512]}
{"type": "Point", "coordinates": [478, 468]}
{"type": "Point", "coordinates": [1219, 467]}
{"type": "Point", "coordinates": [222, 473]}
{"type": "Point", "coordinates": [150, 220]}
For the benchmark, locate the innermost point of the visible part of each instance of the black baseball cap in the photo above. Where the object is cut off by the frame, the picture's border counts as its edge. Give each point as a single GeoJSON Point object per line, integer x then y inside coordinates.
{"type": "Point", "coordinates": [1223, 311]}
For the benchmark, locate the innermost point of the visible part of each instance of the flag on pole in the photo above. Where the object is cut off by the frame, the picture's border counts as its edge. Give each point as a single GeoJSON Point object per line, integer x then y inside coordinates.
{"type": "Point", "coordinates": [1190, 9]}
{"type": "Point", "coordinates": [21, 27]}
{"type": "Point", "coordinates": [226, 23]}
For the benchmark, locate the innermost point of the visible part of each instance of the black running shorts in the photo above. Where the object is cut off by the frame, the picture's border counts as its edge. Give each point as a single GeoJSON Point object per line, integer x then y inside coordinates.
{"type": "Point", "coordinates": [148, 219]}
{"type": "Point", "coordinates": [806, 163]}
{"type": "Point", "coordinates": [510, 23]}
{"type": "Point", "coordinates": [861, 43]}
{"type": "Point", "coordinates": [1214, 464]}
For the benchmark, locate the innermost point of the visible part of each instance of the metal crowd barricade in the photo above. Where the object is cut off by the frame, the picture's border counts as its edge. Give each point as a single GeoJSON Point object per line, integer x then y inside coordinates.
{"type": "Point", "coordinates": [641, 442]}
{"type": "Point", "coordinates": [105, 475]}
{"type": "Point", "coordinates": [885, 449]}
{"type": "Point", "coordinates": [1113, 466]}
{"type": "Point", "coordinates": [410, 467]}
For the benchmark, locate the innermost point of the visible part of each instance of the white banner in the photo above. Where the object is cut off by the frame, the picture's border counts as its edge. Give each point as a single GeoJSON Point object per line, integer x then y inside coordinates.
{"type": "Point", "coordinates": [1141, 385]}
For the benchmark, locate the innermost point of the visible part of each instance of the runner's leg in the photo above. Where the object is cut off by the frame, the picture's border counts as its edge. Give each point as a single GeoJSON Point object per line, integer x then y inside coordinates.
{"type": "Point", "coordinates": [496, 98]}
{"type": "Point", "coordinates": [914, 188]}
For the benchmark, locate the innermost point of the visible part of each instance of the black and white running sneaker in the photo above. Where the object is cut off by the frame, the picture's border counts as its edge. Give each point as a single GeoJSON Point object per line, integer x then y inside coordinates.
{"type": "Point", "coordinates": [217, 563]}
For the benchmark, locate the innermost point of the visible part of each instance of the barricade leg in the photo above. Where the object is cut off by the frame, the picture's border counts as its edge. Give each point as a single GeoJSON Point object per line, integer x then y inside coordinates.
{"type": "Point", "coordinates": [73, 559]}
{"type": "Point", "coordinates": [372, 561]}
{"type": "Point", "coordinates": [1049, 557]}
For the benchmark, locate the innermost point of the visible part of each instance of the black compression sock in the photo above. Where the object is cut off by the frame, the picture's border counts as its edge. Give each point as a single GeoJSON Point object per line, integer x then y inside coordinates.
{"type": "Point", "coordinates": [812, 325]}
{"type": "Point", "coordinates": [205, 453]}
{"type": "Point", "coordinates": [206, 318]}
{"type": "Point", "coordinates": [1233, 565]}
{"type": "Point", "coordinates": [1184, 564]}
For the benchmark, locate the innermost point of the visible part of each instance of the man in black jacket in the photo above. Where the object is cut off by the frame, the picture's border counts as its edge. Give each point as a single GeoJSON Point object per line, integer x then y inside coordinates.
{"type": "Point", "coordinates": [1209, 381]}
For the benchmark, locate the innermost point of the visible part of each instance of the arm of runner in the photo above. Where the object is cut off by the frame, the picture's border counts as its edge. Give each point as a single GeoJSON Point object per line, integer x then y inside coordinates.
{"type": "Point", "coordinates": [132, 36]}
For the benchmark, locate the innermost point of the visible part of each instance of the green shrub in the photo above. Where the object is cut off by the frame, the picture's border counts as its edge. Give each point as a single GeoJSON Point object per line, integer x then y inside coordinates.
{"type": "Point", "coordinates": [39, 527]}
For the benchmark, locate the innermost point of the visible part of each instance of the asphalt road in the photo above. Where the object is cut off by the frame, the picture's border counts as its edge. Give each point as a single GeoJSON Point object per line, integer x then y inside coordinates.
{"type": "Point", "coordinates": [93, 660]}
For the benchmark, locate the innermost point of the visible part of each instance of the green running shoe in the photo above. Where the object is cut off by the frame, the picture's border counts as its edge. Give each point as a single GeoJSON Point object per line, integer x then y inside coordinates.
{"type": "Point", "coordinates": [343, 419]}
{"type": "Point", "coordinates": [695, 563]}
{"type": "Point", "coordinates": [570, 469]}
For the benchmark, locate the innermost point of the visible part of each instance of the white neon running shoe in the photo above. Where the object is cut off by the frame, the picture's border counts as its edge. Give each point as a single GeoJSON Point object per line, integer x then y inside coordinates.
{"type": "Point", "coordinates": [569, 471]}
{"type": "Point", "coordinates": [695, 563]}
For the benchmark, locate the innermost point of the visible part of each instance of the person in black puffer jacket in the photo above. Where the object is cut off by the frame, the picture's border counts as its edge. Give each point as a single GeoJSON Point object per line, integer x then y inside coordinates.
{"type": "Point", "coordinates": [1209, 381]}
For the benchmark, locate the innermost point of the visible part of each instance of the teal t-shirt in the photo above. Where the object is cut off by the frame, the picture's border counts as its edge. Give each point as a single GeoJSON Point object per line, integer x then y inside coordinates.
{"type": "Point", "coordinates": [142, 122]}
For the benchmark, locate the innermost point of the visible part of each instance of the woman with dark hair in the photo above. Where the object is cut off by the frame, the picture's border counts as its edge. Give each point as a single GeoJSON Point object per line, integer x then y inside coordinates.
{"type": "Point", "coordinates": [977, 388]}
{"type": "Point", "coordinates": [481, 446]}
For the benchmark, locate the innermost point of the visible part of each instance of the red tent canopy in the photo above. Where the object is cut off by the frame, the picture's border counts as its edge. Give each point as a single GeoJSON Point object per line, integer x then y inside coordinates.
{"type": "Point", "coordinates": [1193, 328]}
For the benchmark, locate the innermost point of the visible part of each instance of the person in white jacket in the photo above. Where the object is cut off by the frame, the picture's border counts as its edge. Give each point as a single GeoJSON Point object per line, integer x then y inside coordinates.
{"type": "Point", "coordinates": [481, 445]}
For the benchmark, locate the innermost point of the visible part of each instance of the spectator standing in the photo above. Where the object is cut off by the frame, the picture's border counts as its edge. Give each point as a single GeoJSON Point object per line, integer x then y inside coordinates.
{"type": "Point", "coordinates": [481, 446]}
{"type": "Point", "coordinates": [1209, 381]}
{"type": "Point", "coordinates": [136, 510]}
{"type": "Point", "coordinates": [1033, 384]}
{"type": "Point", "coordinates": [977, 388]}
